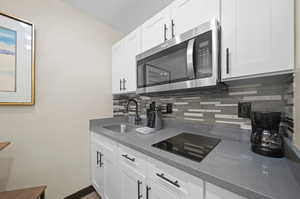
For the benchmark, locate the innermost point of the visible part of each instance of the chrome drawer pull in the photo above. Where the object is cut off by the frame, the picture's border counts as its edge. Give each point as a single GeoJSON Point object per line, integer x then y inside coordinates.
{"type": "Point", "coordinates": [128, 158]}
{"type": "Point", "coordinates": [162, 176]}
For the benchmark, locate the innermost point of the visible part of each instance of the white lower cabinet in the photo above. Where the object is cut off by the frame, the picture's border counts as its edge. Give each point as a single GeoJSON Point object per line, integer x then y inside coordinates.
{"type": "Point", "coordinates": [111, 179]}
{"type": "Point", "coordinates": [132, 183]}
{"type": "Point", "coordinates": [104, 175]}
{"type": "Point", "coordinates": [215, 192]}
{"type": "Point", "coordinates": [133, 173]}
{"type": "Point", "coordinates": [118, 172]}
{"type": "Point", "coordinates": [156, 191]}
{"type": "Point", "coordinates": [97, 171]}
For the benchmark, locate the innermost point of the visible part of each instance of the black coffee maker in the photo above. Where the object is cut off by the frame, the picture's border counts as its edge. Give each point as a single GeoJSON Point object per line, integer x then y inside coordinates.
{"type": "Point", "coordinates": [265, 138]}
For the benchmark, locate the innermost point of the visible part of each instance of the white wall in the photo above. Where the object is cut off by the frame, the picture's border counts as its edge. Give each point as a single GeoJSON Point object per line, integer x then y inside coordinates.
{"type": "Point", "coordinates": [297, 82]}
{"type": "Point", "coordinates": [50, 141]}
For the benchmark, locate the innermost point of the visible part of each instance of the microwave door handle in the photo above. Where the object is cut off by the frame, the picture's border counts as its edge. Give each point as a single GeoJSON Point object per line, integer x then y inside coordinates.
{"type": "Point", "coordinates": [190, 59]}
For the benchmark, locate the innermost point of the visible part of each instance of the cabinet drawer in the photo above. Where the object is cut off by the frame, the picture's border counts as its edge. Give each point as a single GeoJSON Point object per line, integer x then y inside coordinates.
{"type": "Point", "coordinates": [132, 159]}
{"type": "Point", "coordinates": [215, 192]}
{"type": "Point", "coordinates": [175, 180]}
{"type": "Point", "coordinates": [167, 180]}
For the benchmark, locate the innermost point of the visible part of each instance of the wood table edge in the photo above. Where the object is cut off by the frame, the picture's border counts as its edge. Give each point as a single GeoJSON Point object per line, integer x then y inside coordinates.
{"type": "Point", "coordinates": [3, 145]}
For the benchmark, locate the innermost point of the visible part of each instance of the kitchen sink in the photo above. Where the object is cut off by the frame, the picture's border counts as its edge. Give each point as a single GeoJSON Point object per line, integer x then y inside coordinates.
{"type": "Point", "coordinates": [117, 128]}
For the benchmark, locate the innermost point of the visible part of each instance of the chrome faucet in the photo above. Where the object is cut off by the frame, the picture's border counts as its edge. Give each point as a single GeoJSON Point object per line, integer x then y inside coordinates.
{"type": "Point", "coordinates": [137, 119]}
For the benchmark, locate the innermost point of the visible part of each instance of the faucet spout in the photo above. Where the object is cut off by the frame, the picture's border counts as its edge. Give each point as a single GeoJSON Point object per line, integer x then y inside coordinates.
{"type": "Point", "coordinates": [137, 117]}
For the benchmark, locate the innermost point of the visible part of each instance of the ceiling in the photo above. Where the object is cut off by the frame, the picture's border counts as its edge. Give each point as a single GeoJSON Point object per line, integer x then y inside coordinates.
{"type": "Point", "coordinates": [122, 15]}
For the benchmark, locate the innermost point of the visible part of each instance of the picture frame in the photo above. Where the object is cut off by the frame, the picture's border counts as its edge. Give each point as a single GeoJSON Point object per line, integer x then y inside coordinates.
{"type": "Point", "coordinates": [17, 61]}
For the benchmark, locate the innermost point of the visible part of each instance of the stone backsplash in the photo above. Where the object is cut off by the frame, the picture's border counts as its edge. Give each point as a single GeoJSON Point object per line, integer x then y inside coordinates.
{"type": "Point", "coordinates": [216, 106]}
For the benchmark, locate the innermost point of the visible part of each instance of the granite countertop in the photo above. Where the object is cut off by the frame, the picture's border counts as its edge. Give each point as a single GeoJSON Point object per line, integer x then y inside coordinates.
{"type": "Point", "coordinates": [230, 165]}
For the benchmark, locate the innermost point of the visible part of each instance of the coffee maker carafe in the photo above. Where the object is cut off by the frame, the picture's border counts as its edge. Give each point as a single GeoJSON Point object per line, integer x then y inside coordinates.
{"type": "Point", "coordinates": [265, 138]}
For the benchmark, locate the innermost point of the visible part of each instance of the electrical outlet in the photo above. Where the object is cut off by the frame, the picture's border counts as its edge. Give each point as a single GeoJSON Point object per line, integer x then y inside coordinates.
{"type": "Point", "coordinates": [169, 108]}
{"type": "Point", "coordinates": [244, 109]}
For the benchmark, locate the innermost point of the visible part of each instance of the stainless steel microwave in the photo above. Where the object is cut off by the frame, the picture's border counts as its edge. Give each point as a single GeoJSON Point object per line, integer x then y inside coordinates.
{"type": "Point", "coordinates": [190, 60]}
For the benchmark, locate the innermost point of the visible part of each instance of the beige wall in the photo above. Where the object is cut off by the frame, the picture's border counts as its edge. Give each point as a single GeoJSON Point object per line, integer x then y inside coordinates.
{"type": "Point", "coordinates": [50, 143]}
{"type": "Point", "coordinates": [297, 82]}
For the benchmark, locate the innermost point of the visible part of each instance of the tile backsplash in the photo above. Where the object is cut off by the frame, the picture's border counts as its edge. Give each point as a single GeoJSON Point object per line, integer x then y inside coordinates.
{"type": "Point", "coordinates": [220, 106]}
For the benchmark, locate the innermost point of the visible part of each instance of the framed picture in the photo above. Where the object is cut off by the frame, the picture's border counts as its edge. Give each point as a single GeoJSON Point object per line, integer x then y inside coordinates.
{"type": "Point", "coordinates": [17, 69]}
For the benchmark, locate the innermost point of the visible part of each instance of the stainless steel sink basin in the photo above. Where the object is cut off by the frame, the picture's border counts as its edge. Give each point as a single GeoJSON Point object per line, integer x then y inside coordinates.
{"type": "Point", "coordinates": [117, 128]}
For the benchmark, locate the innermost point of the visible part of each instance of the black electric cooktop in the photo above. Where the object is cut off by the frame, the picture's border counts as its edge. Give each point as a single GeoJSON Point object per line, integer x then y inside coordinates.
{"type": "Point", "coordinates": [191, 146]}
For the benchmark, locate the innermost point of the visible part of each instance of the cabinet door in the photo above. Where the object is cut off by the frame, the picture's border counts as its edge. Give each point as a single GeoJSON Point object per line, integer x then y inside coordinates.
{"type": "Point", "coordinates": [188, 14]}
{"type": "Point", "coordinates": [132, 182]}
{"type": "Point", "coordinates": [258, 37]}
{"type": "Point", "coordinates": [97, 170]}
{"type": "Point", "coordinates": [117, 68]}
{"type": "Point", "coordinates": [132, 47]}
{"type": "Point", "coordinates": [214, 192]}
{"type": "Point", "coordinates": [156, 29]}
{"type": "Point", "coordinates": [157, 191]}
{"type": "Point", "coordinates": [111, 178]}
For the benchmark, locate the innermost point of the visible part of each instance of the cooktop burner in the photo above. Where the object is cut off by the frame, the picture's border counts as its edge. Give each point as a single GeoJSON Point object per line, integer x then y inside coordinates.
{"type": "Point", "coordinates": [191, 146]}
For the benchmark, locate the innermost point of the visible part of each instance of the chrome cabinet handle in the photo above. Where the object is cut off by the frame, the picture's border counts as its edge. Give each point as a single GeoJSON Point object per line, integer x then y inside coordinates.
{"type": "Point", "coordinates": [147, 192]}
{"type": "Point", "coordinates": [124, 83]}
{"type": "Point", "coordinates": [227, 60]}
{"type": "Point", "coordinates": [128, 158]}
{"type": "Point", "coordinates": [139, 189]}
{"type": "Point", "coordinates": [173, 25]}
{"type": "Point", "coordinates": [100, 159]}
{"type": "Point", "coordinates": [120, 84]}
{"type": "Point", "coordinates": [165, 32]}
{"type": "Point", "coordinates": [162, 176]}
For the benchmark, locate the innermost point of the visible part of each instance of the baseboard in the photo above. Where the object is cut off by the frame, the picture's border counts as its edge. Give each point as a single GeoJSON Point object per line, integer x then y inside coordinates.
{"type": "Point", "coordinates": [83, 192]}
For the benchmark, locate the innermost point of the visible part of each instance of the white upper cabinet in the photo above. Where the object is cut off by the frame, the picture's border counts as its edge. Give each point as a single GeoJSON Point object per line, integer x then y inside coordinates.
{"type": "Point", "coordinates": [257, 37]}
{"type": "Point", "coordinates": [133, 47]}
{"type": "Point", "coordinates": [117, 66]}
{"type": "Point", "coordinates": [124, 63]}
{"type": "Point", "coordinates": [156, 30]}
{"type": "Point", "coordinates": [179, 17]}
{"type": "Point", "coordinates": [188, 14]}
